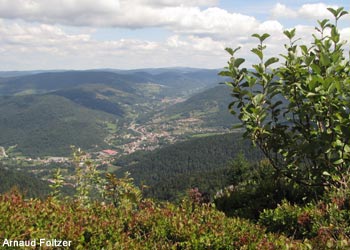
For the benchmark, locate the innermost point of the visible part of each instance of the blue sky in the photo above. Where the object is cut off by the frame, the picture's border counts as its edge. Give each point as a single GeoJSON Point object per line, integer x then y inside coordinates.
{"type": "Point", "coordinates": [127, 34]}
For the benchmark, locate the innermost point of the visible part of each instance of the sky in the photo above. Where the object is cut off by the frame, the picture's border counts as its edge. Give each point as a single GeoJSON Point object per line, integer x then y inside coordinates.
{"type": "Point", "coordinates": [130, 34]}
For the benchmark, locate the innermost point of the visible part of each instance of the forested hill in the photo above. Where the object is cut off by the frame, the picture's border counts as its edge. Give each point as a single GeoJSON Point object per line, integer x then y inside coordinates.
{"type": "Point", "coordinates": [199, 162]}
{"type": "Point", "coordinates": [24, 181]}
{"type": "Point", "coordinates": [209, 106]}
{"type": "Point", "coordinates": [51, 81]}
{"type": "Point", "coordinates": [48, 124]}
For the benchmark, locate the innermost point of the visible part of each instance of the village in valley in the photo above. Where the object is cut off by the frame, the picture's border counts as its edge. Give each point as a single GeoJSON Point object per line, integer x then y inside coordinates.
{"type": "Point", "coordinates": [125, 140]}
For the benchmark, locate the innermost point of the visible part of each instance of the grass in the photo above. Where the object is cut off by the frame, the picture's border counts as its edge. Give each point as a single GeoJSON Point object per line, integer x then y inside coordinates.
{"type": "Point", "coordinates": [112, 127]}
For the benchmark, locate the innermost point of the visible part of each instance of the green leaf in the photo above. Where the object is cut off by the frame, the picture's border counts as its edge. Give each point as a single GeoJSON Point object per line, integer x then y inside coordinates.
{"type": "Point", "coordinates": [324, 23]}
{"type": "Point", "coordinates": [251, 81]}
{"type": "Point", "coordinates": [304, 49]}
{"type": "Point", "coordinates": [238, 62]}
{"type": "Point", "coordinates": [309, 59]}
{"type": "Point", "coordinates": [258, 53]}
{"type": "Point", "coordinates": [264, 36]}
{"type": "Point", "coordinates": [335, 35]}
{"type": "Point", "coordinates": [230, 84]}
{"type": "Point", "coordinates": [258, 99]}
{"type": "Point", "coordinates": [331, 87]}
{"type": "Point", "coordinates": [259, 69]}
{"type": "Point", "coordinates": [225, 73]}
{"type": "Point", "coordinates": [326, 173]}
{"type": "Point", "coordinates": [339, 161]}
{"type": "Point", "coordinates": [347, 149]}
{"type": "Point", "coordinates": [333, 11]}
{"type": "Point", "coordinates": [315, 68]}
{"type": "Point", "coordinates": [343, 13]}
{"type": "Point", "coordinates": [256, 35]}
{"type": "Point", "coordinates": [270, 61]}
{"type": "Point", "coordinates": [338, 12]}
{"type": "Point", "coordinates": [232, 51]}
{"type": "Point", "coordinates": [261, 38]}
{"type": "Point", "coordinates": [324, 59]}
{"type": "Point", "coordinates": [290, 34]}
{"type": "Point", "coordinates": [311, 94]}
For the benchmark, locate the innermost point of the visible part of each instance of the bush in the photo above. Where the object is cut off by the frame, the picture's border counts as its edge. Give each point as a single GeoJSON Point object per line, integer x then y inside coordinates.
{"type": "Point", "coordinates": [298, 113]}
{"type": "Point", "coordinates": [152, 226]}
{"type": "Point", "coordinates": [326, 222]}
{"type": "Point", "coordinates": [259, 187]}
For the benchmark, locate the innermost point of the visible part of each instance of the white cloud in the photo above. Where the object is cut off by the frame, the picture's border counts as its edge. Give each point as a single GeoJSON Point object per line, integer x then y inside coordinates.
{"type": "Point", "coordinates": [345, 32]}
{"type": "Point", "coordinates": [195, 43]}
{"type": "Point", "coordinates": [315, 11]}
{"type": "Point", "coordinates": [270, 27]}
{"type": "Point", "coordinates": [179, 2]}
{"type": "Point", "coordinates": [110, 13]}
{"type": "Point", "coordinates": [175, 42]}
{"type": "Point", "coordinates": [312, 11]}
{"type": "Point", "coordinates": [35, 46]}
{"type": "Point", "coordinates": [212, 21]}
{"type": "Point", "coordinates": [180, 15]}
{"type": "Point", "coordinates": [37, 35]}
{"type": "Point", "coordinates": [207, 45]}
{"type": "Point", "coordinates": [56, 11]}
{"type": "Point", "coordinates": [197, 36]}
{"type": "Point", "coordinates": [281, 10]}
{"type": "Point", "coordinates": [345, 35]}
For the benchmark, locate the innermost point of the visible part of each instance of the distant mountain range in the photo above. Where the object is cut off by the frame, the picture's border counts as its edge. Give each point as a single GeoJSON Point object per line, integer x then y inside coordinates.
{"type": "Point", "coordinates": [152, 71]}
{"type": "Point", "coordinates": [43, 113]}
{"type": "Point", "coordinates": [42, 82]}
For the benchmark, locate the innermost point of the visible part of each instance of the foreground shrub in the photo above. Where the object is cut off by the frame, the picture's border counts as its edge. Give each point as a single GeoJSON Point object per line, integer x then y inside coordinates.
{"type": "Point", "coordinates": [298, 112]}
{"type": "Point", "coordinates": [260, 187]}
{"type": "Point", "coordinates": [151, 226]}
{"type": "Point", "coordinates": [326, 222]}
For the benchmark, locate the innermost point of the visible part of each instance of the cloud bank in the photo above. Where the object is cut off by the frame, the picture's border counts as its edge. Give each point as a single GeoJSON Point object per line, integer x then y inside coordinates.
{"type": "Point", "coordinates": [197, 32]}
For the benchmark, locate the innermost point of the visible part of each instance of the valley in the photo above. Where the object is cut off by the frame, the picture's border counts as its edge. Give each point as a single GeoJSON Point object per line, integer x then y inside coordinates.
{"type": "Point", "coordinates": [108, 115]}
{"type": "Point", "coordinates": [89, 109]}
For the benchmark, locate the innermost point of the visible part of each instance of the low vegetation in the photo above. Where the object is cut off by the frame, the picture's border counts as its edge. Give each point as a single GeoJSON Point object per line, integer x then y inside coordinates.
{"type": "Point", "coordinates": [122, 219]}
{"type": "Point", "coordinates": [148, 226]}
